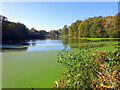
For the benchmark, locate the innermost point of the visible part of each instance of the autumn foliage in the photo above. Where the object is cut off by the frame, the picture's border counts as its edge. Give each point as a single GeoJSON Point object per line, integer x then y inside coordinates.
{"type": "Point", "coordinates": [95, 27]}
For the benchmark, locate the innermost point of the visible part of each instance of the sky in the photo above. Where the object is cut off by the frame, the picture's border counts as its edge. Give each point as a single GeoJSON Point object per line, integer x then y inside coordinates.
{"type": "Point", "coordinates": [54, 15]}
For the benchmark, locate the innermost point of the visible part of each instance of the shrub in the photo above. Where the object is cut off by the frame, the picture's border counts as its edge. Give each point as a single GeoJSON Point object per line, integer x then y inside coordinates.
{"type": "Point", "coordinates": [87, 71]}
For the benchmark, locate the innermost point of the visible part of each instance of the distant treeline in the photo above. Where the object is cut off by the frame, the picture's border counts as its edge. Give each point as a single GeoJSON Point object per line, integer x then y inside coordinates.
{"type": "Point", "coordinates": [95, 27]}
{"type": "Point", "coordinates": [12, 30]}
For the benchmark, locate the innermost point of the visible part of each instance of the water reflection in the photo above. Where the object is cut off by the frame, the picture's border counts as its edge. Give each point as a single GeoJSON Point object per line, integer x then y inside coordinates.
{"type": "Point", "coordinates": [65, 42]}
{"type": "Point", "coordinates": [14, 45]}
{"type": "Point", "coordinates": [54, 44]}
{"type": "Point", "coordinates": [45, 45]}
{"type": "Point", "coordinates": [7, 49]}
{"type": "Point", "coordinates": [33, 45]}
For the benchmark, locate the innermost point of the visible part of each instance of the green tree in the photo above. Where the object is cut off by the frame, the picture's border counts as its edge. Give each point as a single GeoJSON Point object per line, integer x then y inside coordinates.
{"type": "Point", "coordinates": [64, 30]}
{"type": "Point", "coordinates": [73, 29]}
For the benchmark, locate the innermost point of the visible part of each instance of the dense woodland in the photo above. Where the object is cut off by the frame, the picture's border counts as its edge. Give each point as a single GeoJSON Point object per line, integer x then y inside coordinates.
{"type": "Point", "coordinates": [12, 30]}
{"type": "Point", "coordinates": [95, 27]}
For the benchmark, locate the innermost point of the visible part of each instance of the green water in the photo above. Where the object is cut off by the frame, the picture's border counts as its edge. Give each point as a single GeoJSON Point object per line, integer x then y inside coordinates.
{"type": "Point", "coordinates": [39, 69]}
{"type": "Point", "coordinates": [30, 69]}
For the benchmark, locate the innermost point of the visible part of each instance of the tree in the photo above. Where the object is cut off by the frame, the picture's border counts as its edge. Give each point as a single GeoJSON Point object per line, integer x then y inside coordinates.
{"type": "Point", "coordinates": [64, 30]}
{"type": "Point", "coordinates": [54, 33]}
{"type": "Point", "coordinates": [73, 29]}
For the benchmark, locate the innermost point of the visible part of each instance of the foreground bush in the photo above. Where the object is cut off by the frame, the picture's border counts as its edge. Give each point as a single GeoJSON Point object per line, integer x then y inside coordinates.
{"type": "Point", "coordinates": [87, 71]}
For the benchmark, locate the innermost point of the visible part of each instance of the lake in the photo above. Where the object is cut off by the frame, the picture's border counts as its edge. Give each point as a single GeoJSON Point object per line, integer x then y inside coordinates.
{"type": "Point", "coordinates": [33, 45]}
{"type": "Point", "coordinates": [33, 63]}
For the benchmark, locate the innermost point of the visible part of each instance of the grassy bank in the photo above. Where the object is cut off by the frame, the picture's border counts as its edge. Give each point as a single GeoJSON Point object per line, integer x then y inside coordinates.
{"type": "Point", "coordinates": [99, 38]}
